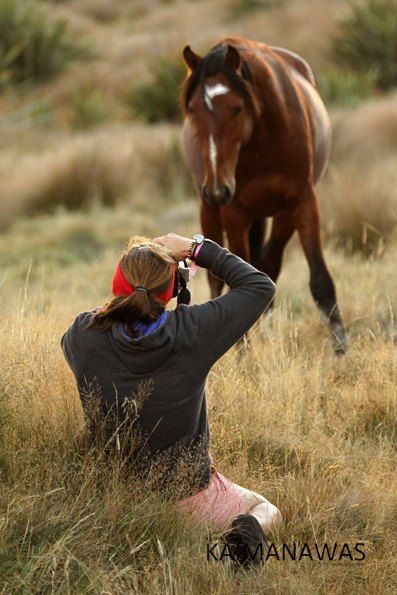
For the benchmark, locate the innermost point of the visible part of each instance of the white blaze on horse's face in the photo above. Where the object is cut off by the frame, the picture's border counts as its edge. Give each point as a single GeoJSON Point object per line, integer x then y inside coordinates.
{"type": "Point", "coordinates": [209, 93]}
{"type": "Point", "coordinates": [213, 91]}
{"type": "Point", "coordinates": [222, 123]}
{"type": "Point", "coordinates": [213, 156]}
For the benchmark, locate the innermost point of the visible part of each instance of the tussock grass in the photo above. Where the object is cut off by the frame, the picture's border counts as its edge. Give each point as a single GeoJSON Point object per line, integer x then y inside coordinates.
{"type": "Point", "coordinates": [146, 164]}
{"type": "Point", "coordinates": [368, 130]}
{"type": "Point", "coordinates": [89, 108]}
{"type": "Point", "coordinates": [367, 39]}
{"type": "Point", "coordinates": [346, 87]}
{"type": "Point", "coordinates": [158, 99]}
{"type": "Point", "coordinates": [241, 7]}
{"type": "Point", "coordinates": [104, 12]}
{"type": "Point", "coordinates": [315, 434]}
{"type": "Point", "coordinates": [359, 201]}
{"type": "Point", "coordinates": [104, 167]}
{"type": "Point", "coordinates": [32, 47]}
{"type": "Point", "coordinates": [358, 193]}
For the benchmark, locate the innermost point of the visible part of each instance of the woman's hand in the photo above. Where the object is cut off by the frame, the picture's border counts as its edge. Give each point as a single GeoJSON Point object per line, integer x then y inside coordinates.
{"type": "Point", "coordinates": [178, 245]}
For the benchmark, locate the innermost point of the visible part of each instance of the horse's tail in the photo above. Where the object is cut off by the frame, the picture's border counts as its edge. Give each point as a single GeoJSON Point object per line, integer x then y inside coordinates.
{"type": "Point", "coordinates": [256, 238]}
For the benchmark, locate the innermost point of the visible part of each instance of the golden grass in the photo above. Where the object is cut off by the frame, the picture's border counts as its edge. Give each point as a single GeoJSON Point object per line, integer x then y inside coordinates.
{"type": "Point", "coordinates": [315, 434]}
{"type": "Point", "coordinates": [369, 130]}
{"type": "Point", "coordinates": [121, 35]}
{"type": "Point", "coordinates": [359, 199]}
{"type": "Point", "coordinates": [45, 165]}
{"type": "Point", "coordinates": [359, 191]}
{"type": "Point", "coordinates": [105, 166]}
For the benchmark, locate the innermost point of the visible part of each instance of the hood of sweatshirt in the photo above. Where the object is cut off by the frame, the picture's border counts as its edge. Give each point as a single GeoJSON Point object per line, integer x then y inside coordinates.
{"type": "Point", "coordinates": [150, 351]}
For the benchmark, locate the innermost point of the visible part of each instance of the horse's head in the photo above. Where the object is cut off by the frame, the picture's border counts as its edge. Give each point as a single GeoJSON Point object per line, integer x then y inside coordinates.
{"type": "Point", "coordinates": [220, 103]}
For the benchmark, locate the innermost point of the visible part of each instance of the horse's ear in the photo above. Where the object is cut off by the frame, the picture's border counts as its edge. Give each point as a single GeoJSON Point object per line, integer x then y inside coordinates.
{"type": "Point", "coordinates": [191, 59]}
{"type": "Point", "coordinates": [233, 58]}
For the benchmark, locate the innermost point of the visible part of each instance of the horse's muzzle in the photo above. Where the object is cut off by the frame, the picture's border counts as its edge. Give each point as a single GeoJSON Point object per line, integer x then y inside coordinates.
{"type": "Point", "coordinates": [221, 196]}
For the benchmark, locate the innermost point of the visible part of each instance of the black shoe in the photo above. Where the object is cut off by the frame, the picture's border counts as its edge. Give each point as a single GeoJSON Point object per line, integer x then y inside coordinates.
{"type": "Point", "coordinates": [247, 541]}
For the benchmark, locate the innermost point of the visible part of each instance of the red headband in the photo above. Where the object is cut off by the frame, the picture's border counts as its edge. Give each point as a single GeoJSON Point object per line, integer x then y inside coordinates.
{"type": "Point", "coordinates": [120, 286]}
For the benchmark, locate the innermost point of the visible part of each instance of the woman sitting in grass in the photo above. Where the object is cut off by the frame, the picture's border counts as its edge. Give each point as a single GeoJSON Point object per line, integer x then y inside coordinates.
{"type": "Point", "coordinates": [133, 342]}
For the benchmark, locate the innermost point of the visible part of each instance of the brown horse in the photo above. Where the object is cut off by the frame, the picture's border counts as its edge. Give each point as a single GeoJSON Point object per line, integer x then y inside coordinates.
{"type": "Point", "coordinates": [257, 139]}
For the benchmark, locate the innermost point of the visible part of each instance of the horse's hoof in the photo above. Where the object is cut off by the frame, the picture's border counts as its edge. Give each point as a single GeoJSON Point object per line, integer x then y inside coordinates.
{"type": "Point", "coordinates": [339, 338]}
{"type": "Point", "coordinates": [340, 351]}
{"type": "Point", "coordinates": [340, 346]}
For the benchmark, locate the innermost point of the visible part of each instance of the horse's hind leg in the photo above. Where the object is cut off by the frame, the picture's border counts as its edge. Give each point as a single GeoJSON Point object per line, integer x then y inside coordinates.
{"type": "Point", "coordinates": [307, 222]}
{"type": "Point", "coordinates": [272, 254]}
{"type": "Point", "coordinates": [256, 238]}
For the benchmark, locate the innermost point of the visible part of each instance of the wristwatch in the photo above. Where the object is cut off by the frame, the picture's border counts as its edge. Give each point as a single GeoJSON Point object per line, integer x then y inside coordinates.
{"type": "Point", "coordinates": [198, 239]}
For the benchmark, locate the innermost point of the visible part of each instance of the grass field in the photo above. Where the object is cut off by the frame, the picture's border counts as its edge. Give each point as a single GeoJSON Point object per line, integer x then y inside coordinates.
{"type": "Point", "coordinates": [315, 434]}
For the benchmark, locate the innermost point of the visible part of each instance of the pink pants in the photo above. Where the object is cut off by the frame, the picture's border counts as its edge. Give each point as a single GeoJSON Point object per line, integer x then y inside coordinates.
{"type": "Point", "coordinates": [220, 503]}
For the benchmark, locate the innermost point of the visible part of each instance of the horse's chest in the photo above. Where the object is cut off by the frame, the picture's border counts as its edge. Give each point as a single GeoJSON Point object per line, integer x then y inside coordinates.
{"type": "Point", "coordinates": [267, 194]}
{"type": "Point", "coordinates": [268, 182]}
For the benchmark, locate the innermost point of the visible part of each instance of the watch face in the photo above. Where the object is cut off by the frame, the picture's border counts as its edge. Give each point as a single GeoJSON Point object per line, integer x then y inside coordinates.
{"type": "Point", "coordinates": [198, 238]}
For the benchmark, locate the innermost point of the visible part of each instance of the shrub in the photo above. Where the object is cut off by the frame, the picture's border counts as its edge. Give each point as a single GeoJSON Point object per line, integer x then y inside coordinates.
{"type": "Point", "coordinates": [158, 99]}
{"type": "Point", "coordinates": [31, 47]}
{"type": "Point", "coordinates": [359, 201]}
{"type": "Point", "coordinates": [367, 39]}
{"type": "Point", "coordinates": [142, 164]}
{"type": "Point", "coordinates": [242, 7]}
{"type": "Point", "coordinates": [88, 108]}
{"type": "Point", "coordinates": [346, 87]}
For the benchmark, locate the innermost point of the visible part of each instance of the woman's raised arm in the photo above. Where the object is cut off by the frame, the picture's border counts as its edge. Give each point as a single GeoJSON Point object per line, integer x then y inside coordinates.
{"type": "Point", "coordinates": [223, 321]}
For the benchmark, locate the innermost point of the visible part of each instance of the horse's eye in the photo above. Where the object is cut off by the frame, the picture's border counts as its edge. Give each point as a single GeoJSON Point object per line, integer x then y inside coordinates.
{"type": "Point", "coordinates": [190, 109]}
{"type": "Point", "coordinates": [237, 110]}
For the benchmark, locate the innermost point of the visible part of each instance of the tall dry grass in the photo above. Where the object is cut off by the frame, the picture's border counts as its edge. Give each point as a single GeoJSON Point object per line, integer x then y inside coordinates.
{"type": "Point", "coordinates": [359, 203]}
{"type": "Point", "coordinates": [44, 165]}
{"type": "Point", "coordinates": [132, 164]}
{"type": "Point", "coordinates": [145, 164]}
{"type": "Point", "coordinates": [358, 193]}
{"type": "Point", "coordinates": [316, 435]}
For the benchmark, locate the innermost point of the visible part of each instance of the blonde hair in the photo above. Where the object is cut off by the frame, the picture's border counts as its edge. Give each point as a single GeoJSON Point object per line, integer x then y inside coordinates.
{"type": "Point", "coordinates": [143, 263]}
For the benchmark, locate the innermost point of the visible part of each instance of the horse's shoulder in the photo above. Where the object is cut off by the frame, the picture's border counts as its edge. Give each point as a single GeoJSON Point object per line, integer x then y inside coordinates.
{"type": "Point", "coordinates": [296, 62]}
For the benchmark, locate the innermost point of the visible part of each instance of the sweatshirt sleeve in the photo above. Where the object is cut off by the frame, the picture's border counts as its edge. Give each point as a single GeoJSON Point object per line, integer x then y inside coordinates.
{"type": "Point", "coordinates": [67, 342]}
{"type": "Point", "coordinates": [223, 321]}
{"type": "Point", "coordinates": [70, 341]}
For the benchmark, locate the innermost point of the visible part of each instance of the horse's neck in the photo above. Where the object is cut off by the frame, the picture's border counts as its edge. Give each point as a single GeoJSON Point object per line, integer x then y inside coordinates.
{"type": "Point", "coordinates": [270, 88]}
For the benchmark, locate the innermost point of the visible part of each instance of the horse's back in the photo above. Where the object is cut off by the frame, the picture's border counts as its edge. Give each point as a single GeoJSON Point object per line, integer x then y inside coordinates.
{"type": "Point", "coordinates": [320, 125]}
{"type": "Point", "coordinates": [296, 62]}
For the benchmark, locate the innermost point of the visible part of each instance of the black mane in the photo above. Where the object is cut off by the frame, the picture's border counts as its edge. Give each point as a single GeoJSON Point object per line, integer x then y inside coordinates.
{"type": "Point", "coordinates": [214, 63]}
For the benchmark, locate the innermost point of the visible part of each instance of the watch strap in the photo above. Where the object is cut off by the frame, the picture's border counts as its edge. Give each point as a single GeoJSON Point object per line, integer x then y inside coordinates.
{"type": "Point", "coordinates": [191, 249]}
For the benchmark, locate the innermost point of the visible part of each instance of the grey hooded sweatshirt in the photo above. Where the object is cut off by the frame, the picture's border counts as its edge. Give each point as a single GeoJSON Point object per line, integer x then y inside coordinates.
{"type": "Point", "coordinates": [171, 364]}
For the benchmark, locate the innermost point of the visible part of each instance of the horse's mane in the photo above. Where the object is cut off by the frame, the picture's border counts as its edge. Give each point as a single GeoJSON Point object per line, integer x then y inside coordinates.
{"type": "Point", "coordinates": [214, 63]}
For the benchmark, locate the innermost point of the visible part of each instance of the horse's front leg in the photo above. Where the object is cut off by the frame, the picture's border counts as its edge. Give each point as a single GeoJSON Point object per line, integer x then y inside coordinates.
{"type": "Point", "coordinates": [237, 225]}
{"type": "Point", "coordinates": [307, 223]}
{"type": "Point", "coordinates": [211, 226]}
{"type": "Point", "coordinates": [272, 253]}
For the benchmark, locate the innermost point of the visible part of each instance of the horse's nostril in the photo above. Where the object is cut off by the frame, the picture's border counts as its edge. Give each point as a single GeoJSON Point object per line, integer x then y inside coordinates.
{"type": "Point", "coordinates": [205, 192]}
{"type": "Point", "coordinates": [224, 192]}
{"type": "Point", "coordinates": [222, 195]}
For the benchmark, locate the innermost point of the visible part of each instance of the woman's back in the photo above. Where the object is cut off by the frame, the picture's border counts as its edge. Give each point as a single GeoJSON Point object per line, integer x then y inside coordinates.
{"type": "Point", "coordinates": [158, 380]}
